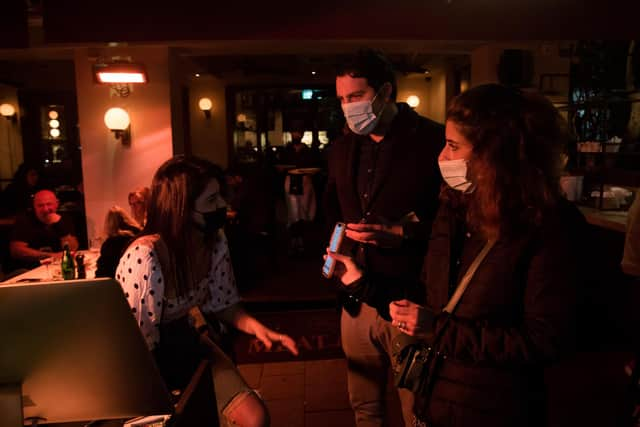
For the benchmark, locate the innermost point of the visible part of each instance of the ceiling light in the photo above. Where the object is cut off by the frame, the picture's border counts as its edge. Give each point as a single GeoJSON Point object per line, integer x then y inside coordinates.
{"type": "Point", "coordinates": [120, 73]}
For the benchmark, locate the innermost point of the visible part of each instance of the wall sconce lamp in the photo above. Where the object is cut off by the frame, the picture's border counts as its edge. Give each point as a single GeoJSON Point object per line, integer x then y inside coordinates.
{"type": "Point", "coordinates": [205, 105]}
{"type": "Point", "coordinates": [8, 111]}
{"type": "Point", "coordinates": [118, 121]}
{"type": "Point", "coordinates": [413, 101]}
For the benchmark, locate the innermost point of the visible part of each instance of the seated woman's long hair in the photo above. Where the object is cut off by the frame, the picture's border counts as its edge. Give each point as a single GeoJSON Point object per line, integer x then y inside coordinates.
{"type": "Point", "coordinates": [119, 223]}
{"type": "Point", "coordinates": [176, 186]}
{"type": "Point", "coordinates": [515, 165]}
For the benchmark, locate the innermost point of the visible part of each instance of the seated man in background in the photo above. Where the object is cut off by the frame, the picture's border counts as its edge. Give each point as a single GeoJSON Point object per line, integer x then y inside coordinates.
{"type": "Point", "coordinates": [42, 233]}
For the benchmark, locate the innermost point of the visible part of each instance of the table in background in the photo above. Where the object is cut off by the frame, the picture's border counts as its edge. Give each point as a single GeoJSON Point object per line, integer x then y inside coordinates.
{"type": "Point", "coordinates": [42, 273]}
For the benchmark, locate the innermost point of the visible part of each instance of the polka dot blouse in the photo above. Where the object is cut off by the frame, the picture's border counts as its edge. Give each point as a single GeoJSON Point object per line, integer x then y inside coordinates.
{"type": "Point", "coordinates": [140, 276]}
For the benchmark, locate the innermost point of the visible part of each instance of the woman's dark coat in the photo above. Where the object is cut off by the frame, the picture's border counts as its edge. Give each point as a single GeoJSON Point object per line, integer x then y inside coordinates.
{"type": "Point", "coordinates": [516, 316]}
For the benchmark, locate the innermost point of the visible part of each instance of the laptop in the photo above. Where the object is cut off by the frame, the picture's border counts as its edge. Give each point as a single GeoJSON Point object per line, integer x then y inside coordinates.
{"type": "Point", "coordinates": [72, 351]}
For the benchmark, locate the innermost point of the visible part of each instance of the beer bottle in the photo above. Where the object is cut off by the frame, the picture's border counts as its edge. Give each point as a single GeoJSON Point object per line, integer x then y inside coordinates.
{"type": "Point", "coordinates": [67, 265]}
{"type": "Point", "coordinates": [82, 273]}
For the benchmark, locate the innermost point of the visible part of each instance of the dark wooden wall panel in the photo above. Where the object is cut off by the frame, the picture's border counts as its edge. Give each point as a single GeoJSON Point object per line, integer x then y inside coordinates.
{"type": "Point", "coordinates": [13, 24]}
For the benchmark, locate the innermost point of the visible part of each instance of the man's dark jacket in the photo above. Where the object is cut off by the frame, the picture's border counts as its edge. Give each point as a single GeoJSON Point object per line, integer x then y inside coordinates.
{"type": "Point", "coordinates": [412, 185]}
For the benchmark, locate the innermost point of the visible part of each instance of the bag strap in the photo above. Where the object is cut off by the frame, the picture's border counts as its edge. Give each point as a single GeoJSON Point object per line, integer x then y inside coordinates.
{"type": "Point", "coordinates": [462, 286]}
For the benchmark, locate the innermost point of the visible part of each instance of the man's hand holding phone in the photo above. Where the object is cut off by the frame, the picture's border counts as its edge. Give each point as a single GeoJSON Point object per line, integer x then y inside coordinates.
{"type": "Point", "coordinates": [334, 246]}
{"type": "Point", "coordinates": [346, 269]}
{"type": "Point", "coordinates": [337, 264]}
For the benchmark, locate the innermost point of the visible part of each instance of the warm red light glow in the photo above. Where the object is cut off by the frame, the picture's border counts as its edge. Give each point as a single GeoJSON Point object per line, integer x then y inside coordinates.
{"type": "Point", "coordinates": [120, 73]}
{"type": "Point", "coordinates": [115, 77]}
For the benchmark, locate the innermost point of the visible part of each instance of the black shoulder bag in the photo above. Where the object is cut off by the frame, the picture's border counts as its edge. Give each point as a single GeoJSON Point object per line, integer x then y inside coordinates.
{"type": "Point", "coordinates": [416, 363]}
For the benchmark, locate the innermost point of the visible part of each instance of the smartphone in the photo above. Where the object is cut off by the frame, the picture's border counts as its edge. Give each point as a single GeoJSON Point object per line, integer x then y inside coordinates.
{"type": "Point", "coordinates": [334, 246]}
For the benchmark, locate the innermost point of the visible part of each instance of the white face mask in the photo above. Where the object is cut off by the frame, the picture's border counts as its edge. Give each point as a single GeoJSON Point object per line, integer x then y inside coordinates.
{"type": "Point", "coordinates": [454, 173]}
{"type": "Point", "coordinates": [360, 116]}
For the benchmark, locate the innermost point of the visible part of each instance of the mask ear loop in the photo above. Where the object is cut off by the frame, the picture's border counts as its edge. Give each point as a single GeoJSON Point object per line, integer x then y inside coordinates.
{"type": "Point", "coordinates": [472, 187]}
{"type": "Point", "coordinates": [376, 95]}
{"type": "Point", "coordinates": [384, 104]}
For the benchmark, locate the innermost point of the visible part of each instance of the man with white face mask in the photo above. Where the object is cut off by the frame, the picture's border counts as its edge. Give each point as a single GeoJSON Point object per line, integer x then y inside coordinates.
{"type": "Point", "coordinates": [383, 182]}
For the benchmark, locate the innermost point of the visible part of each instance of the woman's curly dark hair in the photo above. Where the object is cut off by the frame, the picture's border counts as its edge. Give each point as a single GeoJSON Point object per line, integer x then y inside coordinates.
{"type": "Point", "coordinates": [515, 165]}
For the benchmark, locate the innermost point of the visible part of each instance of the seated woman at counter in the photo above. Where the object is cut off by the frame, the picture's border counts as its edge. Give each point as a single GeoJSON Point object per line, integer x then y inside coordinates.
{"type": "Point", "coordinates": [120, 229]}
{"type": "Point", "coordinates": [181, 261]}
{"type": "Point", "coordinates": [138, 203]}
{"type": "Point", "coordinates": [501, 165]}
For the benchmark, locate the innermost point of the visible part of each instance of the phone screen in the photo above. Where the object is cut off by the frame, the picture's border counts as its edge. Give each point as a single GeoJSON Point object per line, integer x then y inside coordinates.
{"type": "Point", "coordinates": [334, 246]}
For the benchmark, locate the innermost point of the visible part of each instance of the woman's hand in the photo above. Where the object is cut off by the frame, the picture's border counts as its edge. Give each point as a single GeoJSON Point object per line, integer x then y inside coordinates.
{"type": "Point", "coordinates": [268, 336]}
{"type": "Point", "coordinates": [236, 315]}
{"type": "Point", "coordinates": [411, 318]}
{"type": "Point", "coordinates": [346, 269]}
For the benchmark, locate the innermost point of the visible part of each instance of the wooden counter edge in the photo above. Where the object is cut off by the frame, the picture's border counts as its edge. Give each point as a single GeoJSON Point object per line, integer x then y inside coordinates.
{"type": "Point", "coordinates": [600, 219]}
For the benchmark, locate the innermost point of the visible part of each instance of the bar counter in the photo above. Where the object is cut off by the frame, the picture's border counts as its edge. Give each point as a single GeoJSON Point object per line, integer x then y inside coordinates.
{"type": "Point", "coordinates": [611, 220]}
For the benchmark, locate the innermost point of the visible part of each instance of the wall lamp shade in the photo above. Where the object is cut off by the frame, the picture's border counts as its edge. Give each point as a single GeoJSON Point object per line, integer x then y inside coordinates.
{"type": "Point", "coordinates": [205, 105]}
{"type": "Point", "coordinates": [118, 121]}
{"type": "Point", "coordinates": [120, 73]}
{"type": "Point", "coordinates": [413, 101]}
{"type": "Point", "coordinates": [7, 110]}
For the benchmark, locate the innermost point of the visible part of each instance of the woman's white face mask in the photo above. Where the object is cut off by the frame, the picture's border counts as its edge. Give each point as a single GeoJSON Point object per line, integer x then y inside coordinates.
{"type": "Point", "coordinates": [454, 173]}
{"type": "Point", "coordinates": [360, 116]}
{"type": "Point", "coordinates": [453, 159]}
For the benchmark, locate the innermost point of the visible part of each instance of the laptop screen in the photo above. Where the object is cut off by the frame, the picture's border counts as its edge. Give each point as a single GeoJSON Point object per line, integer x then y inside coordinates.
{"type": "Point", "coordinates": [77, 352]}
